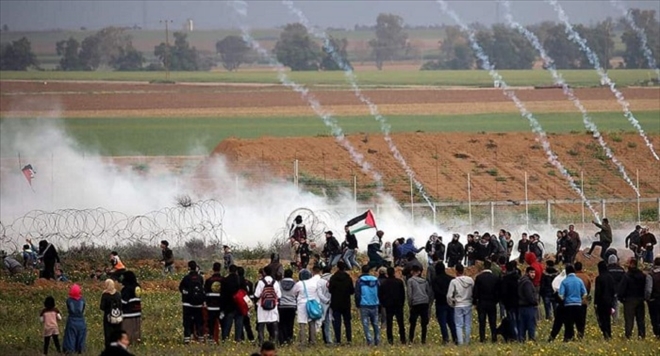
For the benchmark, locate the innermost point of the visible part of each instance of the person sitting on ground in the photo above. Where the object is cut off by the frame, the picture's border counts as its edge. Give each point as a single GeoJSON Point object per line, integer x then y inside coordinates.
{"type": "Point", "coordinates": [119, 345]}
{"type": "Point", "coordinates": [11, 264]}
{"type": "Point", "coordinates": [60, 276]}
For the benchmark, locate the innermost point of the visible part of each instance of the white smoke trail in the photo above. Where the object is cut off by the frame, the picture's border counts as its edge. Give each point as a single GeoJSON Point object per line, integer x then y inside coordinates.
{"type": "Point", "coordinates": [534, 123]}
{"type": "Point", "coordinates": [350, 76]}
{"type": "Point", "coordinates": [640, 33]}
{"type": "Point", "coordinates": [241, 8]}
{"type": "Point", "coordinates": [568, 91]}
{"type": "Point", "coordinates": [593, 59]}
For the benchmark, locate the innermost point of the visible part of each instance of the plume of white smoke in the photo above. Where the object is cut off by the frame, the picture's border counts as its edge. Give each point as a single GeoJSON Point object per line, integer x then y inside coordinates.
{"type": "Point", "coordinates": [568, 91]}
{"type": "Point", "coordinates": [241, 8]}
{"type": "Point", "coordinates": [385, 127]}
{"type": "Point", "coordinates": [640, 33]}
{"type": "Point", "coordinates": [605, 79]}
{"type": "Point", "coordinates": [534, 123]}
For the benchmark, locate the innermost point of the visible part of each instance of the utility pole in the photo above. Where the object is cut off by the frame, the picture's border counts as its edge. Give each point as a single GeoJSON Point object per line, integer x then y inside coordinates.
{"type": "Point", "coordinates": [166, 62]}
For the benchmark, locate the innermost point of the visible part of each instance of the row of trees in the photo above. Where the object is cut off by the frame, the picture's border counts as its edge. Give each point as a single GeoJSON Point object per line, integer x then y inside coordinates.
{"type": "Point", "coordinates": [112, 48]}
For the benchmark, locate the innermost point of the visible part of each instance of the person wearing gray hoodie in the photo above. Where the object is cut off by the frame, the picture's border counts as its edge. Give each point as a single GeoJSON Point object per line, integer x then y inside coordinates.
{"type": "Point", "coordinates": [287, 308]}
{"type": "Point", "coordinates": [459, 296]}
{"type": "Point", "coordinates": [419, 291]}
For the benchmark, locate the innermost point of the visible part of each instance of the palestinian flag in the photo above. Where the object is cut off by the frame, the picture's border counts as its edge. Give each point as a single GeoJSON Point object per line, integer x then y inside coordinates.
{"type": "Point", "coordinates": [29, 173]}
{"type": "Point", "coordinates": [367, 220]}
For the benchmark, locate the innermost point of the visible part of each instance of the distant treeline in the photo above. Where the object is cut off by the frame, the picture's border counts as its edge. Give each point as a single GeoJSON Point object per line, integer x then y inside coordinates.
{"type": "Point", "coordinates": [112, 48]}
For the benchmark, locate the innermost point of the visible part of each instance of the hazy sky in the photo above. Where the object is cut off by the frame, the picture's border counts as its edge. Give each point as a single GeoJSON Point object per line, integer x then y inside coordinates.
{"type": "Point", "coordinates": [52, 14]}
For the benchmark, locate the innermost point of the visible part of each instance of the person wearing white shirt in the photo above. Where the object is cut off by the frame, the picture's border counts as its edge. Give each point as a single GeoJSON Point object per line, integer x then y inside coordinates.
{"type": "Point", "coordinates": [306, 289]}
{"type": "Point", "coordinates": [267, 313]}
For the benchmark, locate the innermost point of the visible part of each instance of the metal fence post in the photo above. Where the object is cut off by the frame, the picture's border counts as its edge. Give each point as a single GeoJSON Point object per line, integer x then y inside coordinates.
{"type": "Point", "coordinates": [548, 205]}
{"type": "Point", "coordinates": [602, 207]}
{"type": "Point", "coordinates": [492, 216]}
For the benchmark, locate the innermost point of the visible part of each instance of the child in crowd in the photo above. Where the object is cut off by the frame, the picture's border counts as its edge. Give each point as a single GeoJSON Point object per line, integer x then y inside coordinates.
{"type": "Point", "coordinates": [303, 253]}
{"type": "Point", "coordinates": [49, 317]}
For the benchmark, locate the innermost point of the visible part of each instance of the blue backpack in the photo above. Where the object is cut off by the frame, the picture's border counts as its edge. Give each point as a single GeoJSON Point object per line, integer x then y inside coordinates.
{"type": "Point", "coordinates": [313, 307]}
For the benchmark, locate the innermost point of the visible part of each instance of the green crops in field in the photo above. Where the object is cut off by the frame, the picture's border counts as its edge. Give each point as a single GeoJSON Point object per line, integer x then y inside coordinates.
{"type": "Point", "coordinates": [174, 136]}
{"type": "Point", "coordinates": [473, 78]}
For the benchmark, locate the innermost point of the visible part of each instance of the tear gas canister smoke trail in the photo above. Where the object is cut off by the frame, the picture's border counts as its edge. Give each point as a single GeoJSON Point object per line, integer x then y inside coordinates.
{"type": "Point", "coordinates": [644, 42]}
{"type": "Point", "coordinates": [593, 59]}
{"type": "Point", "coordinates": [350, 76]}
{"type": "Point", "coordinates": [568, 91]}
{"type": "Point", "coordinates": [536, 126]}
{"type": "Point", "coordinates": [241, 8]}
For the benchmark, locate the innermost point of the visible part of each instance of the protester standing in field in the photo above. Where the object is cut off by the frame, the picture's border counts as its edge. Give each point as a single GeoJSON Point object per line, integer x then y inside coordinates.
{"type": "Point", "coordinates": [419, 291]}
{"type": "Point", "coordinates": [268, 294]}
{"type": "Point", "coordinates": [604, 299]}
{"type": "Point", "coordinates": [485, 296]}
{"type": "Point", "coordinates": [306, 289]}
{"type": "Point", "coordinates": [48, 255]}
{"type": "Point", "coordinates": [581, 320]}
{"type": "Point", "coordinates": [132, 307]}
{"type": "Point", "coordinates": [572, 291]}
{"type": "Point", "coordinates": [112, 310]}
{"type": "Point", "coordinates": [444, 313]}
{"type": "Point", "coordinates": [392, 297]}
{"type": "Point", "coordinates": [546, 291]}
{"type": "Point", "coordinates": [631, 293]}
{"type": "Point", "coordinates": [528, 304]}
{"type": "Point", "coordinates": [75, 332]}
{"type": "Point", "coordinates": [366, 299]}
{"type": "Point", "coordinates": [341, 289]}
{"type": "Point", "coordinates": [213, 299]}
{"type": "Point", "coordinates": [233, 316]}
{"type": "Point", "coordinates": [287, 308]}
{"type": "Point", "coordinates": [459, 296]}
{"type": "Point", "coordinates": [509, 296]}
{"type": "Point", "coordinates": [653, 296]}
{"type": "Point", "coordinates": [168, 257]}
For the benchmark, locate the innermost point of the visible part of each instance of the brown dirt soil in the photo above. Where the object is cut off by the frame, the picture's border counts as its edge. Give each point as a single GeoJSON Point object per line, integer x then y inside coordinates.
{"type": "Point", "coordinates": [107, 99]}
{"type": "Point", "coordinates": [496, 163]}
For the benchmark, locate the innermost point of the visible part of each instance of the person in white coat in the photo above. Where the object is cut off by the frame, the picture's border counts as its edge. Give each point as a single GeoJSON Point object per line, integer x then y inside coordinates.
{"type": "Point", "coordinates": [268, 294]}
{"type": "Point", "coordinates": [310, 285]}
{"type": "Point", "coordinates": [324, 298]}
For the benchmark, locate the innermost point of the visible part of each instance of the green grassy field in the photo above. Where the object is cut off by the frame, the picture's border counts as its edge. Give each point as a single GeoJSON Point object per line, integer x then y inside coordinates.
{"type": "Point", "coordinates": [173, 136]}
{"type": "Point", "coordinates": [473, 78]}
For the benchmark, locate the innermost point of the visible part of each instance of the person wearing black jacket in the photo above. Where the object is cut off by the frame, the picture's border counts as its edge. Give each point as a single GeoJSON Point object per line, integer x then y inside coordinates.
{"type": "Point", "coordinates": [523, 248]}
{"type": "Point", "coordinates": [48, 255]}
{"type": "Point", "coordinates": [546, 291]}
{"type": "Point", "coordinates": [392, 297]}
{"type": "Point", "coordinates": [192, 298]}
{"type": "Point", "coordinates": [248, 287]}
{"type": "Point", "coordinates": [228, 288]}
{"type": "Point", "coordinates": [331, 249]}
{"type": "Point", "coordinates": [168, 257]}
{"type": "Point", "coordinates": [443, 312]}
{"type": "Point", "coordinates": [341, 289]}
{"type": "Point", "coordinates": [439, 249]}
{"type": "Point", "coordinates": [351, 249]}
{"type": "Point", "coordinates": [118, 346]}
{"type": "Point", "coordinates": [528, 303]}
{"type": "Point", "coordinates": [631, 293]}
{"type": "Point", "coordinates": [485, 296]}
{"type": "Point", "coordinates": [470, 250]}
{"type": "Point", "coordinates": [604, 299]}
{"type": "Point", "coordinates": [455, 251]}
{"type": "Point", "coordinates": [509, 296]}
{"type": "Point", "coordinates": [213, 300]}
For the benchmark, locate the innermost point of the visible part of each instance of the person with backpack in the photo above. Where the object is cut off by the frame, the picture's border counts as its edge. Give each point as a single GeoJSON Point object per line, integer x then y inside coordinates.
{"type": "Point", "coordinates": [309, 307]}
{"type": "Point", "coordinates": [366, 299]}
{"type": "Point", "coordinates": [268, 294]}
{"type": "Point", "coordinates": [213, 301]}
{"type": "Point", "coordinates": [112, 310]}
{"type": "Point", "coordinates": [230, 287]}
{"type": "Point", "coordinates": [192, 298]}
{"type": "Point", "coordinates": [131, 307]}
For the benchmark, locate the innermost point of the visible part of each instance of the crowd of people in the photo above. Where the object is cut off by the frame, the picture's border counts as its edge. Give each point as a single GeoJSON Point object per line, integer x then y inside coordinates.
{"type": "Point", "coordinates": [509, 294]}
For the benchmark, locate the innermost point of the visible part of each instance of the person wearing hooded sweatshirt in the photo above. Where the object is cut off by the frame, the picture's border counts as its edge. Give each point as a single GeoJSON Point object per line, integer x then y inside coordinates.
{"type": "Point", "coordinates": [48, 255]}
{"type": "Point", "coordinates": [351, 249]}
{"type": "Point", "coordinates": [373, 251]}
{"type": "Point", "coordinates": [276, 267]}
{"type": "Point", "coordinates": [75, 332]}
{"type": "Point", "coordinates": [419, 291]}
{"type": "Point", "coordinates": [392, 297]}
{"type": "Point", "coordinates": [485, 297]}
{"type": "Point", "coordinates": [532, 261]}
{"type": "Point", "coordinates": [546, 291]}
{"type": "Point", "coordinates": [411, 261]}
{"type": "Point", "coordinates": [213, 301]}
{"type": "Point", "coordinates": [528, 302]}
{"type": "Point", "coordinates": [571, 291]}
{"type": "Point", "coordinates": [366, 299]}
{"type": "Point", "coordinates": [192, 292]}
{"type": "Point", "coordinates": [341, 288]}
{"type": "Point", "coordinates": [443, 312]}
{"type": "Point", "coordinates": [653, 296]}
{"type": "Point", "coordinates": [471, 250]}
{"type": "Point", "coordinates": [604, 299]}
{"type": "Point", "coordinates": [110, 305]}
{"type": "Point", "coordinates": [131, 307]}
{"type": "Point", "coordinates": [409, 246]}
{"type": "Point", "coordinates": [631, 293]}
{"type": "Point", "coordinates": [459, 296]}
{"type": "Point", "coordinates": [455, 251]}
{"type": "Point", "coordinates": [287, 308]}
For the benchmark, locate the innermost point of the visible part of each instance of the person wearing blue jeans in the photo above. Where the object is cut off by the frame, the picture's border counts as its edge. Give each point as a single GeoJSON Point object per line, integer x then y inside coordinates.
{"type": "Point", "coordinates": [445, 316]}
{"type": "Point", "coordinates": [459, 295]}
{"type": "Point", "coordinates": [528, 306]}
{"type": "Point", "coordinates": [351, 249]}
{"type": "Point", "coordinates": [366, 299]}
{"type": "Point", "coordinates": [571, 291]}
